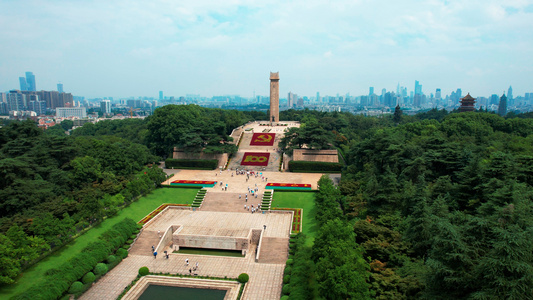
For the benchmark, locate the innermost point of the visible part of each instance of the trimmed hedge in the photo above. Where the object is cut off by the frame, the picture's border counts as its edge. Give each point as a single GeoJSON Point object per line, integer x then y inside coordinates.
{"type": "Point", "coordinates": [88, 278]}
{"type": "Point", "coordinates": [314, 166]}
{"type": "Point", "coordinates": [100, 269]}
{"type": "Point", "coordinates": [76, 287]}
{"type": "Point", "coordinates": [243, 278]}
{"type": "Point", "coordinates": [58, 281]}
{"type": "Point", "coordinates": [143, 271]}
{"type": "Point", "coordinates": [286, 279]}
{"type": "Point", "coordinates": [199, 164]}
{"type": "Point", "coordinates": [284, 297]}
{"type": "Point", "coordinates": [122, 252]}
{"type": "Point", "coordinates": [286, 290]}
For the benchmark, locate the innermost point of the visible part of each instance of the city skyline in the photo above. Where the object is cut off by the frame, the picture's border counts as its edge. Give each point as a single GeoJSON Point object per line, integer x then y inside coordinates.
{"type": "Point", "coordinates": [124, 49]}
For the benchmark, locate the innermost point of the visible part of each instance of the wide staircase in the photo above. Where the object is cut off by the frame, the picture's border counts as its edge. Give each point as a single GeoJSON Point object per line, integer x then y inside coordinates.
{"type": "Point", "coordinates": [143, 245]}
{"type": "Point", "coordinates": [273, 162]}
{"type": "Point", "coordinates": [222, 201]}
{"type": "Point", "coordinates": [273, 250]}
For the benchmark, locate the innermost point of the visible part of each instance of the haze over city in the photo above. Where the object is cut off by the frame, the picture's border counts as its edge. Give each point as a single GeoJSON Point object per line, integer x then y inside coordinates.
{"type": "Point", "coordinates": [124, 48]}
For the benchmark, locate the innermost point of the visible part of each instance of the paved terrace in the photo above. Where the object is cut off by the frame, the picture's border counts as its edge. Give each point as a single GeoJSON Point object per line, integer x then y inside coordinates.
{"type": "Point", "coordinates": [238, 184]}
{"type": "Point", "coordinates": [265, 278]}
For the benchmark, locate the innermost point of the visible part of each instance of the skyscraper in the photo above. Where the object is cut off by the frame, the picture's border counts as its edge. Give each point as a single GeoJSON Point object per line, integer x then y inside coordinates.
{"type": "Point", "coordinates": [160, 95]}
{"type": "Point", "coordinates": [418, 88]}
{"type": "Point", "coordinates": [502, 108]}
{"type": "Point", "coordinates": [371, 91]}
{"type": "Point", "coordinates": [510, 93]}
{"type": "Point", "coordinates": [23, 84]}
{"type": "Point", "coordinates": [105, 106]}
{"type": "Point", "coordinates": [60, 87]}
{"type": "Point", "coordinates": [438, 94]}
{"type": "Point", "coordinates": [30, 79]}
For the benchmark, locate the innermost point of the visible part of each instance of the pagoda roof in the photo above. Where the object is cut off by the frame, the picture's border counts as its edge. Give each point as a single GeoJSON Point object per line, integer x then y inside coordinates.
{"type": "Point", "coordinates": [468, 97]}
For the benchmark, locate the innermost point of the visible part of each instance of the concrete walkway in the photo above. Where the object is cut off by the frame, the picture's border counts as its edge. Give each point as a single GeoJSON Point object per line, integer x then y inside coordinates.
{"type": "Point", "coordinates": [222, 214]}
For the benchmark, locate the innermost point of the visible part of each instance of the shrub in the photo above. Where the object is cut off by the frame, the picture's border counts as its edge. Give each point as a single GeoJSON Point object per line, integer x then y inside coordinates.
{"type": "Point", "coordinates": [286, 279]}
{"type": "Point", "coordinates": [314, 166]}
{"type": "Point", "coordinates": [289, 262]}
{"type": "Point", "coordinates": [243, 278]}
{"type": "Point", "coordinates": [76, 287]}
{"type": "Point", "coordinates": [111, 259]}
{"type": "Point", "coordinates": [122, 253]}
{"type": "Point", "coordinates": [286, 289]}
{"type": "Point", "coordinates": [199, 164]}
{"type": "Point", "coordinates": [288, 270]}
{"type": "Point", "coordinates": [143, 271]}
{"type": "Point", "coordinates": [284, 297]}
{"type": "Point", "coordinates": [88, 278]}
{"type": "Point", "coordinates": [100, 269]}
{"type": "Point", "coordinates": [133, 236]}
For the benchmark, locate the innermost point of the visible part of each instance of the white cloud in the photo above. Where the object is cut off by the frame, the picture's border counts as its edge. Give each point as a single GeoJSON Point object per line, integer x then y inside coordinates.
{"type": "Point", "coordinates": [197, 43]}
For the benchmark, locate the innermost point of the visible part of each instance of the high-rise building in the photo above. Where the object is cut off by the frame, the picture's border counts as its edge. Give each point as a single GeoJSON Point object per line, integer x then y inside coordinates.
{"type": "Point", "coordinates": [370, 91]}
{"type": "Point", "coordinates": [438, 94]}
{"type": "Point", "coordinates": [161, 95]}
{"type": "Point", "coordinates": [16, 101]}
{"type": "Point", "coordinates": [60, 87]}
{"type": "Point", "coordinates": [510, 93]}
{"type": "Point", "coordinates": [30, 79]}
{"type": "Point", "coordinates": [292, 99]}
{"type": "Point", "coordinates": [502, 108]}
{"type": "Point", "coordinates": [494, 99]}
{"type": "Point", "coordinates": [36, 105]}
{"type": "Point", "coordinates": [318, 97]}
{"type": "Point", "coordinates": [23, 84]}
{"type": "Point", "coordinates": [105, 106]}
{"type": "Point", "coordinates": [418, 88]}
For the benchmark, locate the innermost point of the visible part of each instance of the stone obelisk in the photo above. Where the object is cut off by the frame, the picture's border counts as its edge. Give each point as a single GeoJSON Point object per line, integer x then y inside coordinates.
{"type": "Point", "coordinates": [274, 98]}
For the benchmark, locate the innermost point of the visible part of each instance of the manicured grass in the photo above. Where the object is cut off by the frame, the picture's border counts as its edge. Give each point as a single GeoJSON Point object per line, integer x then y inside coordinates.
{"type": "Point", "coordinates": [215, 252]}
{"type": "Point", "coordinates": [135, 211]}
{"type": "Point", "coordinates": [305, 200]}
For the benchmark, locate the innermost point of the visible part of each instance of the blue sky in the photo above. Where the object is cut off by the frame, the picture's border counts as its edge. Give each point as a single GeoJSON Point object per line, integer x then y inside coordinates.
{"type": "Point", "coordinates": [211, 47]}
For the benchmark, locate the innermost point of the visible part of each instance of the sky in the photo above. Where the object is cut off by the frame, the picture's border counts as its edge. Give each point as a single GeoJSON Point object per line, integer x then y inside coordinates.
{"type": "Point", "coordinates": [116, 48]}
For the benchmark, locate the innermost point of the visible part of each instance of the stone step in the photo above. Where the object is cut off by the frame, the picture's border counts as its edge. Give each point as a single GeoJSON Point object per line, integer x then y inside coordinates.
{"type": "Point", "coordinates": [143, 245]}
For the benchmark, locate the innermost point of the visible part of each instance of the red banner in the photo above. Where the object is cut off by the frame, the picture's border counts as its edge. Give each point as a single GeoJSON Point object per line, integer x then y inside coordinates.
{"type": "Point", "coordinates": [290, 185]}
{"type": "Point", "coordinates": [255, 159]}
{"type": "Point", "coordinates": [263, 139]}
{"type": "Point", "coordinates": [194, 182]}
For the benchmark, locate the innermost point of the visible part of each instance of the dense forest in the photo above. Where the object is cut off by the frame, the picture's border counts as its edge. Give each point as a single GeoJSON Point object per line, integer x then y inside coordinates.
{"type": "Point", "coordinates": [439, 204]}
{"type": "Point", "coordinates": [436, 205]}
{"type": "Point", "coordinates": [54, 185]}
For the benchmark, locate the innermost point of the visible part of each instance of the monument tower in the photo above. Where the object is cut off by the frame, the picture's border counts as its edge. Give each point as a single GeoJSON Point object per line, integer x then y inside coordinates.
{"type": "Point", "coordinates": [274, 97]}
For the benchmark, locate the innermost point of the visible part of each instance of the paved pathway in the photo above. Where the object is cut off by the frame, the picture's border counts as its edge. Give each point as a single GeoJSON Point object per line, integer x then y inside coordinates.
{"type": "Point", "coordinates": [222, 214]}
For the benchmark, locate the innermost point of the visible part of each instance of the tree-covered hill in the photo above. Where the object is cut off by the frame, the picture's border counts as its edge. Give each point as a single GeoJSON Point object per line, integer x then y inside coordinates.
{"type": "Point", "coordinates": [440, 203]}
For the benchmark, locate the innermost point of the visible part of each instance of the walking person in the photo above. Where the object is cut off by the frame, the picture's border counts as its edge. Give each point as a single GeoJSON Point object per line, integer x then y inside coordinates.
{"type": "Point", "coordinates": [187, 261]}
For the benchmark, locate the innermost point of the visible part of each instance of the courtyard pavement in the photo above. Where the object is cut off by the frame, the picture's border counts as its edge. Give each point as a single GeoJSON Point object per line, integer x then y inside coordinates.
{"type": "Point", "coordinates": [222, 214]}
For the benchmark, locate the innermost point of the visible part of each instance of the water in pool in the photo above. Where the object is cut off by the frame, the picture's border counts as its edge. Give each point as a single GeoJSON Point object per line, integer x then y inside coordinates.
{"type": "Point", "coordinates": [180, 293]}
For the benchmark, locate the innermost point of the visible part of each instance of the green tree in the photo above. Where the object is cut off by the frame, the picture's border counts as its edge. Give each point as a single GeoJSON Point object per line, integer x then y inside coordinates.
{"type": "Point", "coordinates": [340, 267]}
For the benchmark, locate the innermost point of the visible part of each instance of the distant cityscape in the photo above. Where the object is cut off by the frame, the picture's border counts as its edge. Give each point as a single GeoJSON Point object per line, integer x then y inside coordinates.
{"type": "Point", "coordinates": [28, 102]}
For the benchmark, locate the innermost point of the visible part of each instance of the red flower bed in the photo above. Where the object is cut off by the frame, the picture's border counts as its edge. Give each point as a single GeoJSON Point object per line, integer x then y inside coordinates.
{"type": "Point", "coordinates": [194, 182]}
{"type": "Point", "coordinates": [290, 185]}
{"type": "Point", "coordinates": [255, 159]}
{"type": "Point", "coordinates": [263, 139]}
{"type": "Point", "coordinates": [296, 219]}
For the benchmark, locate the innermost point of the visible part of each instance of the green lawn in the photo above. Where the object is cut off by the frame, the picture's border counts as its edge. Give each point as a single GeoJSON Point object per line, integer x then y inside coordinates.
{"type": "Point", "coordinates": [305, 200]}
{"type": "Point", "coordinates": [215, 252]}
{"type": "Point", "coordinates": [135, 211]}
